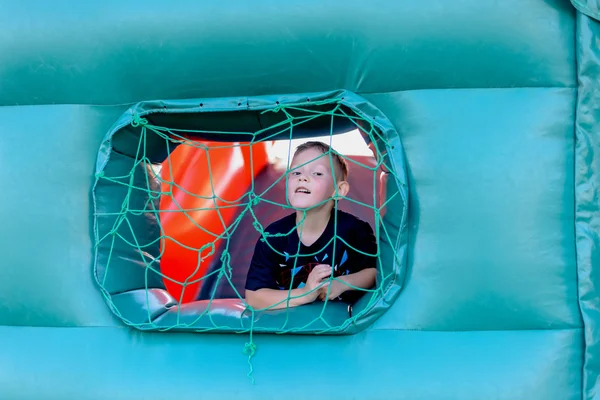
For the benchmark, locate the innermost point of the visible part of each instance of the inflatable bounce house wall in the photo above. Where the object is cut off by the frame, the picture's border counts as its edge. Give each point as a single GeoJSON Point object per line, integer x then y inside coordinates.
{"type": "Point", "coordinates": [484, 118]}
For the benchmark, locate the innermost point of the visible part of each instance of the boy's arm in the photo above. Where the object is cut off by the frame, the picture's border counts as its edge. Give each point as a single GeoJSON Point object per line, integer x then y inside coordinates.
{"type": "Point", "coordinates": [363, 279]}
{"type": "Point", "coordinates": [272, 299]}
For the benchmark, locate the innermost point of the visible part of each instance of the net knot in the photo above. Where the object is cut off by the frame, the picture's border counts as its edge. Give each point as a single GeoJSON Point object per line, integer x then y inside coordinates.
{"type": "Point", "coordinates": [250, 349]}
{"type": "Point", "coordinates": [258, 227]}
{"type": "Point", "coordinates": [225, 257]}
{"type": "Point", "coordinates": [137, 121]}
{"type": "Point", "coordinates": [100, 174]}
{"type": "Point", "coordinates": [254, 200]}
{"type": "Point", "coordinates": [275, 109]}
{"type": "Point", "coordinates": [226, 261]}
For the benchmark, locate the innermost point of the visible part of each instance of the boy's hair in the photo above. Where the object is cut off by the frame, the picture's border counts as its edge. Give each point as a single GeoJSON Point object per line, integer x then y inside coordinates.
{"type": "Point", "coordinates": [339, 163]}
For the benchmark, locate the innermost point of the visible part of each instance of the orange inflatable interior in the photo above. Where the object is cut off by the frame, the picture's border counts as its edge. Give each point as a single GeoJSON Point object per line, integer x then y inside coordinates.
{"type": "Point", "coordinates": [196, 210]}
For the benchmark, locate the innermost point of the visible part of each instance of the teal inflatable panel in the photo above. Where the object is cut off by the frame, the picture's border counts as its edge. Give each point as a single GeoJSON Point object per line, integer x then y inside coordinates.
{"type": "Point", "coordinates": [590, 8]}
{"type": "Point", "coordinates": [114, 363]}
{"type": "Point", "coordinates": [47, 159]}
{"type": "Point", "coordinates": [587, 194]}
{"type": "Point", "coordinates": [491, 212]}
{"type": "Point", "coordinates": [134, 51]}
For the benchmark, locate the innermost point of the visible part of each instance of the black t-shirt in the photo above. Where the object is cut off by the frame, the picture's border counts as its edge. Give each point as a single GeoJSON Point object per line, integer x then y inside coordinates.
{"type": "Point", "coordinates": [289, 262]}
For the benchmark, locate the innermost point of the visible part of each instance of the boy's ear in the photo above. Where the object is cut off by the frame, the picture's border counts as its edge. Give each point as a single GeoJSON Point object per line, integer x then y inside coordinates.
{"type": "Point", "coordinates": [343, 189]}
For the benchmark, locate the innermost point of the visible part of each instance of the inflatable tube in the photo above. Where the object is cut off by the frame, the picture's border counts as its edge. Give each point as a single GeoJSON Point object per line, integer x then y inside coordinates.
{"type": "Point", "coordinates": [191, 238]}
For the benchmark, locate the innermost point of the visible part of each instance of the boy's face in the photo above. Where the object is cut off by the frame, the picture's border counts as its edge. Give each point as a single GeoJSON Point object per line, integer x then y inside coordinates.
{"type": "Point", "coordinates": [310, 181]}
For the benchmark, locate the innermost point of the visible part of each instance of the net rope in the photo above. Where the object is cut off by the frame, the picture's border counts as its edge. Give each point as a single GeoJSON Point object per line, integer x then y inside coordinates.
{"type": "Point", "coordinates": [295, 116]}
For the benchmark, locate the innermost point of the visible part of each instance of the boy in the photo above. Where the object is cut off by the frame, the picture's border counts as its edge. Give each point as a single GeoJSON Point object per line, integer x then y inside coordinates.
{"type": "Point", "coordinates": [314, 242]}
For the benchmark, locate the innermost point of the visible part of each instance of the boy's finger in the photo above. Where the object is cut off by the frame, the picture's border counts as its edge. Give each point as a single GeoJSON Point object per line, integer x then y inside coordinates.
{"type": "Point", "coordinates": [324, 274]}
{"type": "Point", "coordinates": [318, 269]}
{"type": "Point", "coordinates": [318, 273]}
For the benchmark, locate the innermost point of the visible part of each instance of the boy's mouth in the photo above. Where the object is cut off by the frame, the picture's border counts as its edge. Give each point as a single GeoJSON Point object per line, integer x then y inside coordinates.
{"type": "Point", "coordinates": [302, 190]}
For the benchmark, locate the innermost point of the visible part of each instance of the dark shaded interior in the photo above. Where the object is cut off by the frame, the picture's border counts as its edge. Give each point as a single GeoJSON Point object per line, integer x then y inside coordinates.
{"type": "Point", "coordinates": [235, 126]}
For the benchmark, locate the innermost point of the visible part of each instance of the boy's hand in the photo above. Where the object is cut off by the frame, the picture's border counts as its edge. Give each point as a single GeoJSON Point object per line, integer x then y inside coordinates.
{"type": "Point", "coordinates": [337, 288]}
{"type": "Point", "coordinates": [316, 278]}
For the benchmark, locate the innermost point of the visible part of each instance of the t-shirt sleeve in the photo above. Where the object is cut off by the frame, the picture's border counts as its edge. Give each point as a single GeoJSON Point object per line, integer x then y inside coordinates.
{"type": "Point", "coordinates": [261, 272]}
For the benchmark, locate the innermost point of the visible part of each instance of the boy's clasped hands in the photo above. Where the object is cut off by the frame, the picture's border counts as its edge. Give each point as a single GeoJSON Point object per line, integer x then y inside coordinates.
{"type": "Point", "coordinates": [319, 279]}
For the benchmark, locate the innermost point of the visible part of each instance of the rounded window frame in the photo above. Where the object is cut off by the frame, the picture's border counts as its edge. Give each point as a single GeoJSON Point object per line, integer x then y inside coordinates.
{"type": "Point", "coordinates": [151, 308]}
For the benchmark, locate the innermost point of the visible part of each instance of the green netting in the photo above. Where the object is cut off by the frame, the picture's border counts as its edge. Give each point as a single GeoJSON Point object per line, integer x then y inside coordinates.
{"type": "Point", "coordinates": [129, 232]}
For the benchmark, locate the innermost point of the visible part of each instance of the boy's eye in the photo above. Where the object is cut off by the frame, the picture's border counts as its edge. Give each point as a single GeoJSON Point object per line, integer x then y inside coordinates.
{"type": "Point", "coordinates": [318, 173]}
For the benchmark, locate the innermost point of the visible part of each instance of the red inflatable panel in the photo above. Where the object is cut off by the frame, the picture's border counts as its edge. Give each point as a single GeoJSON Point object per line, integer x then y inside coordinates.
{"type": "Point", "coordinates": [196, 210]}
